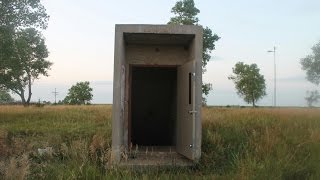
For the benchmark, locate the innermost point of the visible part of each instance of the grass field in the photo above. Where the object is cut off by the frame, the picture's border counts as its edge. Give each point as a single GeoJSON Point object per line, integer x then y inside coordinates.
{"type": "Point", "coordinates": [239, 143]}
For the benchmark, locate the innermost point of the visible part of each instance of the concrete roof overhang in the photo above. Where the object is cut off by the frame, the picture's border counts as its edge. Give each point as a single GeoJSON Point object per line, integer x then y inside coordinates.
{"type": "Point", "coordinates": [158, 34]}
{"type": "Point", "coordinates": [158, 39]}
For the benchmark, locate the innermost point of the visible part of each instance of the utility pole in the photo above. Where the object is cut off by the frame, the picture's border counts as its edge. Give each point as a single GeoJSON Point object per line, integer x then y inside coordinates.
{"type": "Point", "coordinates": [55, 95]}
{"type": "Point", "coordinates": [275, 77]}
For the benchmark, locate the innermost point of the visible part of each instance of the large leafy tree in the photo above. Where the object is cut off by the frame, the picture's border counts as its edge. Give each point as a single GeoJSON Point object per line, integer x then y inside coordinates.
{"type": "Point", "coordinates": [311, 64]}
{"type": "Point", "coordinates": [79, 94]}
{"type": "Point", "coordinates": [186, 14]}
{"type": "Point", "coordinates": [25, 64]}
{"type": "Point", "coordinates": [250, 84]}
{"type": "Point", "coordinates": [22, 47]}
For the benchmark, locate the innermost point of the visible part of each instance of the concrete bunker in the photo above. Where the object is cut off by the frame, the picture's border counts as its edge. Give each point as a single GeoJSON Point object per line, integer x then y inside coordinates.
{"type": "Point", "coordinates": [157, 95]}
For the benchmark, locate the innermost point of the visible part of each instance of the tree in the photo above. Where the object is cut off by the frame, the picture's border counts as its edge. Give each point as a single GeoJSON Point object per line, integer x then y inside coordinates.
{"type": "Point", "coordinates": [205, 90]}
{"type": "Point", "coordinates": [25, 64]}
{"type": "Point", "coordinates": [250, 84]}
{"type": "Point", "coordinates": [5, 97]}
{"type": "Point", "coordinates": [186, 14]}
{"type": "Point", "coordinates": [17, 14]}
{"type": "Point", "coordinates": [22, 47]}
{"type": "Point", "coordinates": [311, 64]}
{"type": "Point", "coordinates": [312, 97]}
{"type": "Point", "coordinates": [79, 94]}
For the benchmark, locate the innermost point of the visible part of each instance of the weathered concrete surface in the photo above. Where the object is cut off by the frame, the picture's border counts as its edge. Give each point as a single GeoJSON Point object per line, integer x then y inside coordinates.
{"type": "Point", "coordinates": [153, 45]}
{"type": "Point", "coordinates": [156, 55]}
{"type": "Point", "coordinates": [155, 158]}
{"type": "Point", "coordinates": [158, 39]}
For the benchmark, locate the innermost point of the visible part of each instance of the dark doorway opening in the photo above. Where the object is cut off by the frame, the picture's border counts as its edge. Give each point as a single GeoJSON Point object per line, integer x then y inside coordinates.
{"type": "Point", "coordinates": [153, 106]}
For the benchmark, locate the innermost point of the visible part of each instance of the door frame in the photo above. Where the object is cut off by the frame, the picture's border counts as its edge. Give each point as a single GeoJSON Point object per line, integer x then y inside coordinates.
{"type": "Point", "coordinates": [131, 66]}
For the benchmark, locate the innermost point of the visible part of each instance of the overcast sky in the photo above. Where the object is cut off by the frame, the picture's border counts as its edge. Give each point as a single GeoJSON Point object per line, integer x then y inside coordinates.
{"type": "Point", "coordinates": [80, 38]}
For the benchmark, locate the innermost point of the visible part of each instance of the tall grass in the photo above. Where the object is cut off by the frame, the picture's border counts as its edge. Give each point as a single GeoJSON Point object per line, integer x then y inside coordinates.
{"type": "Point", "coordinates": [236, 144]}
{"type": "Point", "coordinates": [262, 143]}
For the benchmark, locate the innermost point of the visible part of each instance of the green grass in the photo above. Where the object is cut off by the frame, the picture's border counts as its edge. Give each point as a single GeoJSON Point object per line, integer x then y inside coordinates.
{"type": "Point", "coordinates": [237, 143]}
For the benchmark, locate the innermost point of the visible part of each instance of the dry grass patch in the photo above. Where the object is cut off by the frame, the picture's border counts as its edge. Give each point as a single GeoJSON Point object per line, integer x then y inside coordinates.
{"type": "Point", "coordinates": [238, 143]}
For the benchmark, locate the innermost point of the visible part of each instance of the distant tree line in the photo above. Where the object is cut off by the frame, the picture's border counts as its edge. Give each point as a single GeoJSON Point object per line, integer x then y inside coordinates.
{"type": "Point", "coordinates": [81, 93]}
{"type": "Point", "coordinates": [78, 94]}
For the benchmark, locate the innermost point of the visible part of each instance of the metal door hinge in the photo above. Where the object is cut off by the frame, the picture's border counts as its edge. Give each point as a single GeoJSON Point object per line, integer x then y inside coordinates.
{"type": "Point", "coordinates": [193, 112]}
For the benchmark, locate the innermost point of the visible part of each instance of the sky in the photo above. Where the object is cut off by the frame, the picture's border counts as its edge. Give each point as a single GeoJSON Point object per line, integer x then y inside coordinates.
{"type": "Point", "coordinates": [80, 38]}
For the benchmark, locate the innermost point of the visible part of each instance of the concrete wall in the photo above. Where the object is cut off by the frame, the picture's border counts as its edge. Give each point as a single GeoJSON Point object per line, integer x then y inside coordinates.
{"type": "Point", "coordinates": [156, 54]}
{"type": "Point", "coordinates": [162, 45]}
{"type": "Point", "coordinates": [118, 97]}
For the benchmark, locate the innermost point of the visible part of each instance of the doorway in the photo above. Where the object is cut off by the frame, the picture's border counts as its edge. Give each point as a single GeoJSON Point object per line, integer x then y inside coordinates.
{"type": "Point", "coordinates": [153, 106]}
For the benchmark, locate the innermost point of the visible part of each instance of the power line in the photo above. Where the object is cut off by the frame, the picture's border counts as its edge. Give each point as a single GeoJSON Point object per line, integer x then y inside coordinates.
{"type": "Point", "coordinates": [275, 77]}
{"type": "Point", "coordinates": [55, 95]}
